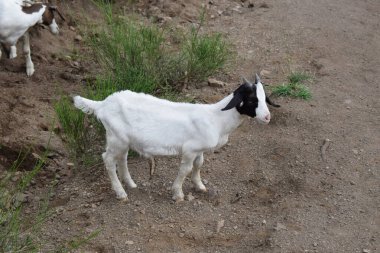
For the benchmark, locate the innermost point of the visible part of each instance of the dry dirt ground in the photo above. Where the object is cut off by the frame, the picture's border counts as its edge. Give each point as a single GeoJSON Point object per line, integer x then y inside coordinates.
{"type": "Point", "coordinates": [269, 187]}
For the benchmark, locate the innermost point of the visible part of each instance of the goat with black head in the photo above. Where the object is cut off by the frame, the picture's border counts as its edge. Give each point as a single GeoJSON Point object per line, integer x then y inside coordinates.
{"type": "Point", "coordinates": [156, 127]}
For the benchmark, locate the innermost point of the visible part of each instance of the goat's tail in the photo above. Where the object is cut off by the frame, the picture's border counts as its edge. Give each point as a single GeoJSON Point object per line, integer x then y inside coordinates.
{"type": "Point", "coordinates": [86, 105]}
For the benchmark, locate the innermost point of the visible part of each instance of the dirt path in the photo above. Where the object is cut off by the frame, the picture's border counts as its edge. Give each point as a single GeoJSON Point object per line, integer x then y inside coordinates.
{"type": "Point", "coordinates": [269, 185]}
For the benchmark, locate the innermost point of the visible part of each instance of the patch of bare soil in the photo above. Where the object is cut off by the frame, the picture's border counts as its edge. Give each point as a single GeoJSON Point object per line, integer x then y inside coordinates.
{"type": "Point", "coordinates": [269, 189]}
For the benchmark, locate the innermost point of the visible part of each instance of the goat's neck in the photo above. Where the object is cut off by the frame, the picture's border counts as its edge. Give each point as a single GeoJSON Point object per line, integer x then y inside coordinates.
{"type": "Point", "coordinates": [229, 120]}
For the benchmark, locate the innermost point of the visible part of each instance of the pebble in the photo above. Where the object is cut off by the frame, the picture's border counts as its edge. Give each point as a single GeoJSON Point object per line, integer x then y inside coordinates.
{"type": "Point", "coordinates": [264, 5]}
{"type": "Point", "coordinates": [219, 225]}
{"type": "Point", "coordinates": [279, 226]}
{"type": "Point", "coordinates": [265, 73]}
{"type": "Point", "coordinates": [22, 198]}
{"type": "Point", "coordinates": [215, 83]}
{"type": "Point", "coordinates": [366, 251]}
{"type": "Point", "coordinates": [78, 38]}
{"type": "Point", "coordinates": [190, 197]}
{"type": "Point", "coordinates": [129, 242]}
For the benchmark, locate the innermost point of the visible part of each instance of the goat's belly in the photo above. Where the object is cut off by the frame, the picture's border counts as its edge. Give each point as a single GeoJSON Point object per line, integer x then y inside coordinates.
{"type": "Point", "coordinates": [155, 151]}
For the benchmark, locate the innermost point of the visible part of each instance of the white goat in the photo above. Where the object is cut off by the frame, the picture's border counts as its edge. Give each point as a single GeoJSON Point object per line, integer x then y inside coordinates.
{"type": "Point", "coordinates": [156, 127]}
{"type": "Point", "coordinates": [16, 17]}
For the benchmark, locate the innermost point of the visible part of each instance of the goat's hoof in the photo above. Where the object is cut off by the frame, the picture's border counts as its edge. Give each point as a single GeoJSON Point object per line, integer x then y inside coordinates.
{"type": "Point", "coordinates": [201, 189]}
{"type": "Point", "coordinates": [124, 199]}
{"type": "Point", "coordinates": [178, 199]}
{"type": "Point", "coordinates": [132, 185]}
{"type": "Point", "coordinates": [29, 72]}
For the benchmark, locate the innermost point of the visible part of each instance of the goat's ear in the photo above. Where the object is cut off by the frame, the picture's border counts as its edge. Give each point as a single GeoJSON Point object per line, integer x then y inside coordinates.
{"type": "Point", "coordinates": [237, 99]}
{"type": "Point", "coordinates": [270, 102]}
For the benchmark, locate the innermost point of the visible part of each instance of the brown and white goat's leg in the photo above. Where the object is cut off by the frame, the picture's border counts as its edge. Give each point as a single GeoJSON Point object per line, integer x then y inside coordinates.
{"type": "Point", "coordinates": [184, 169]}
{"type": "Point", "coordinates": [29, 63]}
{"type": "Point", "coordinates": [122, 168]}
{"type": "Point", "coordinates": [196, 174]}
{"type": "Point", "coordinates": [110, 157]}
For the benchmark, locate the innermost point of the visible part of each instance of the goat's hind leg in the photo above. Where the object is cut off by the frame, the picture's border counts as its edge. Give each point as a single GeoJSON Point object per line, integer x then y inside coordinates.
{"type": "Point", "coordinates": [110, 158]}
{"type": "Point", "coordinates": [196, 174]}
{"type": "Point", "coordinates": [29, 63]}
{"type": "Point", "coordinates": [122, 168]}
{"type": "Point", "coordinates": [184, 170]}
{"type": "Point", "coordinates": [12, 52]}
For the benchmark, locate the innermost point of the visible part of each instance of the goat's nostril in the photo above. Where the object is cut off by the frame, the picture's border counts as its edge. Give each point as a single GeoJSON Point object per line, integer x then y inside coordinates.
{"type": "Point", "coordinates": [267, 117]}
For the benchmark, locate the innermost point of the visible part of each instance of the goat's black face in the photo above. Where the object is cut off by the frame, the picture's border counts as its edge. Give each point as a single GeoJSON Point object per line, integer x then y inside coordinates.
{"type": "Point", "coordinates": [244, 100]}
{"type": "Point", "coordinates": [249, 99]}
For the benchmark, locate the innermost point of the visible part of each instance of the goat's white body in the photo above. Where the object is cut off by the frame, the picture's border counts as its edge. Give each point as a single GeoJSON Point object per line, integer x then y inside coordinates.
{"type": "Point", "coordinates": [14, 23]}
{"type": "Point", "coordinates": [155, 127]}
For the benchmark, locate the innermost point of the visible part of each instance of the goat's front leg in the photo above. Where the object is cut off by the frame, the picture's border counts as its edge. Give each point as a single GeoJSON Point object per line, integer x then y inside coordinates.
{"type": "Point", "coordinates": [196, 174]}
{"type": "Point", "coordinates": [29, 63]}
{"type": "Point", "coordinates": [123, 170]}
{"type": "Point", "coordinates": [13, 52]}
{"type": "Point", "coordinates": [184, 170]}
{"type": "Point", "coordinates": [110, 159]}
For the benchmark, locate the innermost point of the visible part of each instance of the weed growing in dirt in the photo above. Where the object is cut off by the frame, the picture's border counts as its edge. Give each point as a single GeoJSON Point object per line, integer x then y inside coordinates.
{"type": "Point", "coordinates": [73, 124]}
{"type": "Point", "coordinates": [295, 87]}
{"type": "Point", "coordinates": [135, 56]}
{"type": "Point", "coordinates": [203, 54]}
{"type": "Point", "coordinates": [19, 233]}
{"type": "Point", "coordinates": [16, 234]}
{"type": "Point", "coordinates": [130, 54]}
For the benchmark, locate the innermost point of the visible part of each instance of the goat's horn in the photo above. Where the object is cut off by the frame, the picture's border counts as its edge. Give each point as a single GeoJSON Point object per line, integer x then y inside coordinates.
{"type": "Point", "coordinates": [245, 80]}
{"type": "Point", "coordinates": [257, 78]}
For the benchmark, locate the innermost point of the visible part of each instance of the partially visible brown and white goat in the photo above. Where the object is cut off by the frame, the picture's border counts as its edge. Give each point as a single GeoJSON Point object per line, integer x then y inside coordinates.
{"type": "Point", "coordinates": [16, 17]}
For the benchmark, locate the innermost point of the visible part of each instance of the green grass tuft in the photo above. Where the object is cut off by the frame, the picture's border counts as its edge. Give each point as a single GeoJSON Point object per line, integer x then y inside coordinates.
{"type": "Point", "coordinates": [204, 55]}
{"type": "Point", "coordinates": [73, 123]}
{"type": "Point", "coordinates": [295, 88]}
{"type": "Point", "coordinates": [298, 77]}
